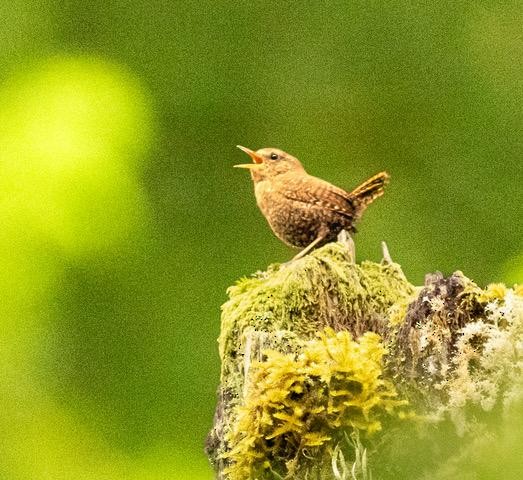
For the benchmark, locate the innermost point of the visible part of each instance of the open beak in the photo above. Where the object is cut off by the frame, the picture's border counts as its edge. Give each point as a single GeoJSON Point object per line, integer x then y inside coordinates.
{"type": "Point", "coordinates": [257, 159]}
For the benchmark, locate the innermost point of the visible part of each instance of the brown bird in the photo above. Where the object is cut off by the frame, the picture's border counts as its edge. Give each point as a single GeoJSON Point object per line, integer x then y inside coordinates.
{"type": "Point", "coordinates": [302, 210]}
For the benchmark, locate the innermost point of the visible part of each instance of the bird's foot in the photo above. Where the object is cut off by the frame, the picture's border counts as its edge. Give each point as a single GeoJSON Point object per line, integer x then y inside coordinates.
{"type": "Point", "coordinates": [345, 239]}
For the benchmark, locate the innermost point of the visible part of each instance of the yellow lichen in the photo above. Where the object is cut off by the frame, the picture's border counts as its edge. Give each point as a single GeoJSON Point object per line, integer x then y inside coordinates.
{"type": "Point", "coordinates": [398, 311]}
{"type": "Point", "coordinates": [298, 405]}
{"type": "Point", "coordinates": [494, 291]}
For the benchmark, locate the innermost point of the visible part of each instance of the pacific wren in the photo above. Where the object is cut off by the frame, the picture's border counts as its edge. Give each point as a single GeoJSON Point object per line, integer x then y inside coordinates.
{"type": "Point", "coordinates": [302, 210]}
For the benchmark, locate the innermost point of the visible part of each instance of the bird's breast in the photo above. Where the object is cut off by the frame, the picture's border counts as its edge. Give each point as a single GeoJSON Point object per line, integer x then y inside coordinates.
{"type": "Point", "coordinates": [268, 197]}
{"type": "Point", "coordinates": [296, 223]}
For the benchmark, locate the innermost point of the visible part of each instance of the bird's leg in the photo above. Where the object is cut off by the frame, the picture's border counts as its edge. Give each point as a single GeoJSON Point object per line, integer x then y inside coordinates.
{"type": "Point", "coordinates": [345, 238]}
{"type": "Point", "coordinates": [309, 247]}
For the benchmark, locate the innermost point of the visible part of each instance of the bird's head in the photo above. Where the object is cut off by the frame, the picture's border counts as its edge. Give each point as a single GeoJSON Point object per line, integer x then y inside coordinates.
{"type": "Point", "coordinates": [269, 162]}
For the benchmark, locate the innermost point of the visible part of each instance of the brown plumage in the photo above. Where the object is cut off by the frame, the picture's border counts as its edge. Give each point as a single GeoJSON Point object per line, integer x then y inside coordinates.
{"type": "Point", "coordinates": [302, 210]}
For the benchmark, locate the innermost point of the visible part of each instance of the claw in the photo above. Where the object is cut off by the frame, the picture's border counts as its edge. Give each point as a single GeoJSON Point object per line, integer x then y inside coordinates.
{"type": "Point", "coordinates": [386, 255]}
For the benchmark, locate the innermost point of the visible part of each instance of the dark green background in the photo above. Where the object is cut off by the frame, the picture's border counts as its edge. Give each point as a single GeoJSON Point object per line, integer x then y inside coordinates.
{"type": "Point", "coordinates": [123, 222]}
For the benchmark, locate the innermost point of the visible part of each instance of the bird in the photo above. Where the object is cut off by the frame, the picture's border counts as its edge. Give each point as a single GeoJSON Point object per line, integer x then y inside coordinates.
{"type": "Point", "coordinates": [302, 210]}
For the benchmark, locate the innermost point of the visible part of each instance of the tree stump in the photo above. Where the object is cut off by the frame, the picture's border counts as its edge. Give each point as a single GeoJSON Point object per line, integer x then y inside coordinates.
{"type": "Point", "coordinates": [337, 370]}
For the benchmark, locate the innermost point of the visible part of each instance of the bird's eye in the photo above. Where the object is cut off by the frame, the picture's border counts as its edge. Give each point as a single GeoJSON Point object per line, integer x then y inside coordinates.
{"type": "Point", "coordinates": [274, 156]}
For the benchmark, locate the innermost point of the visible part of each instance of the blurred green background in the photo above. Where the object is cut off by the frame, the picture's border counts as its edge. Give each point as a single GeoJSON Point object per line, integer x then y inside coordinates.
{"type": "Point", "coordinates": [123, 223]}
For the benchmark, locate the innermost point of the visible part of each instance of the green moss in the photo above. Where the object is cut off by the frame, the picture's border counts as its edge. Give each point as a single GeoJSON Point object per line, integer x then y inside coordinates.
{"type": "Point", "coordinates": [323, 289]}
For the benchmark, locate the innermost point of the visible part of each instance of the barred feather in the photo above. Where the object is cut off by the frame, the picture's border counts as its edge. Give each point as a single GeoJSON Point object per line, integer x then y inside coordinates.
{"type": "Point", "coordinates": [368, 191]}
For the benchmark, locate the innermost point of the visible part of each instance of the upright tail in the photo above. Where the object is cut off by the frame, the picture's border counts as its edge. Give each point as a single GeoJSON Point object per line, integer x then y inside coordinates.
{"type": "Point", "coordinates": [368, 191]}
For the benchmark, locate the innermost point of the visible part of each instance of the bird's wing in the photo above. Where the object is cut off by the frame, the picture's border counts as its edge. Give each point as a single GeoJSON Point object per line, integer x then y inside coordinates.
{"type": "Point", "coordinates": [315, 191]}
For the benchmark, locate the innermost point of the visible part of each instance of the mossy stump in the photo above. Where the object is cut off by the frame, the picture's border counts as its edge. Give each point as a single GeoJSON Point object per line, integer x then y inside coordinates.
{"type": "Point", "coordinates": [337, 370]}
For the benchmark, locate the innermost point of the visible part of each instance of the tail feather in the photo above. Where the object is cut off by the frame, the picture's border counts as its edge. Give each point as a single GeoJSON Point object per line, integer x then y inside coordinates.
{"type": "Point", "coordinates": [368, 191]}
